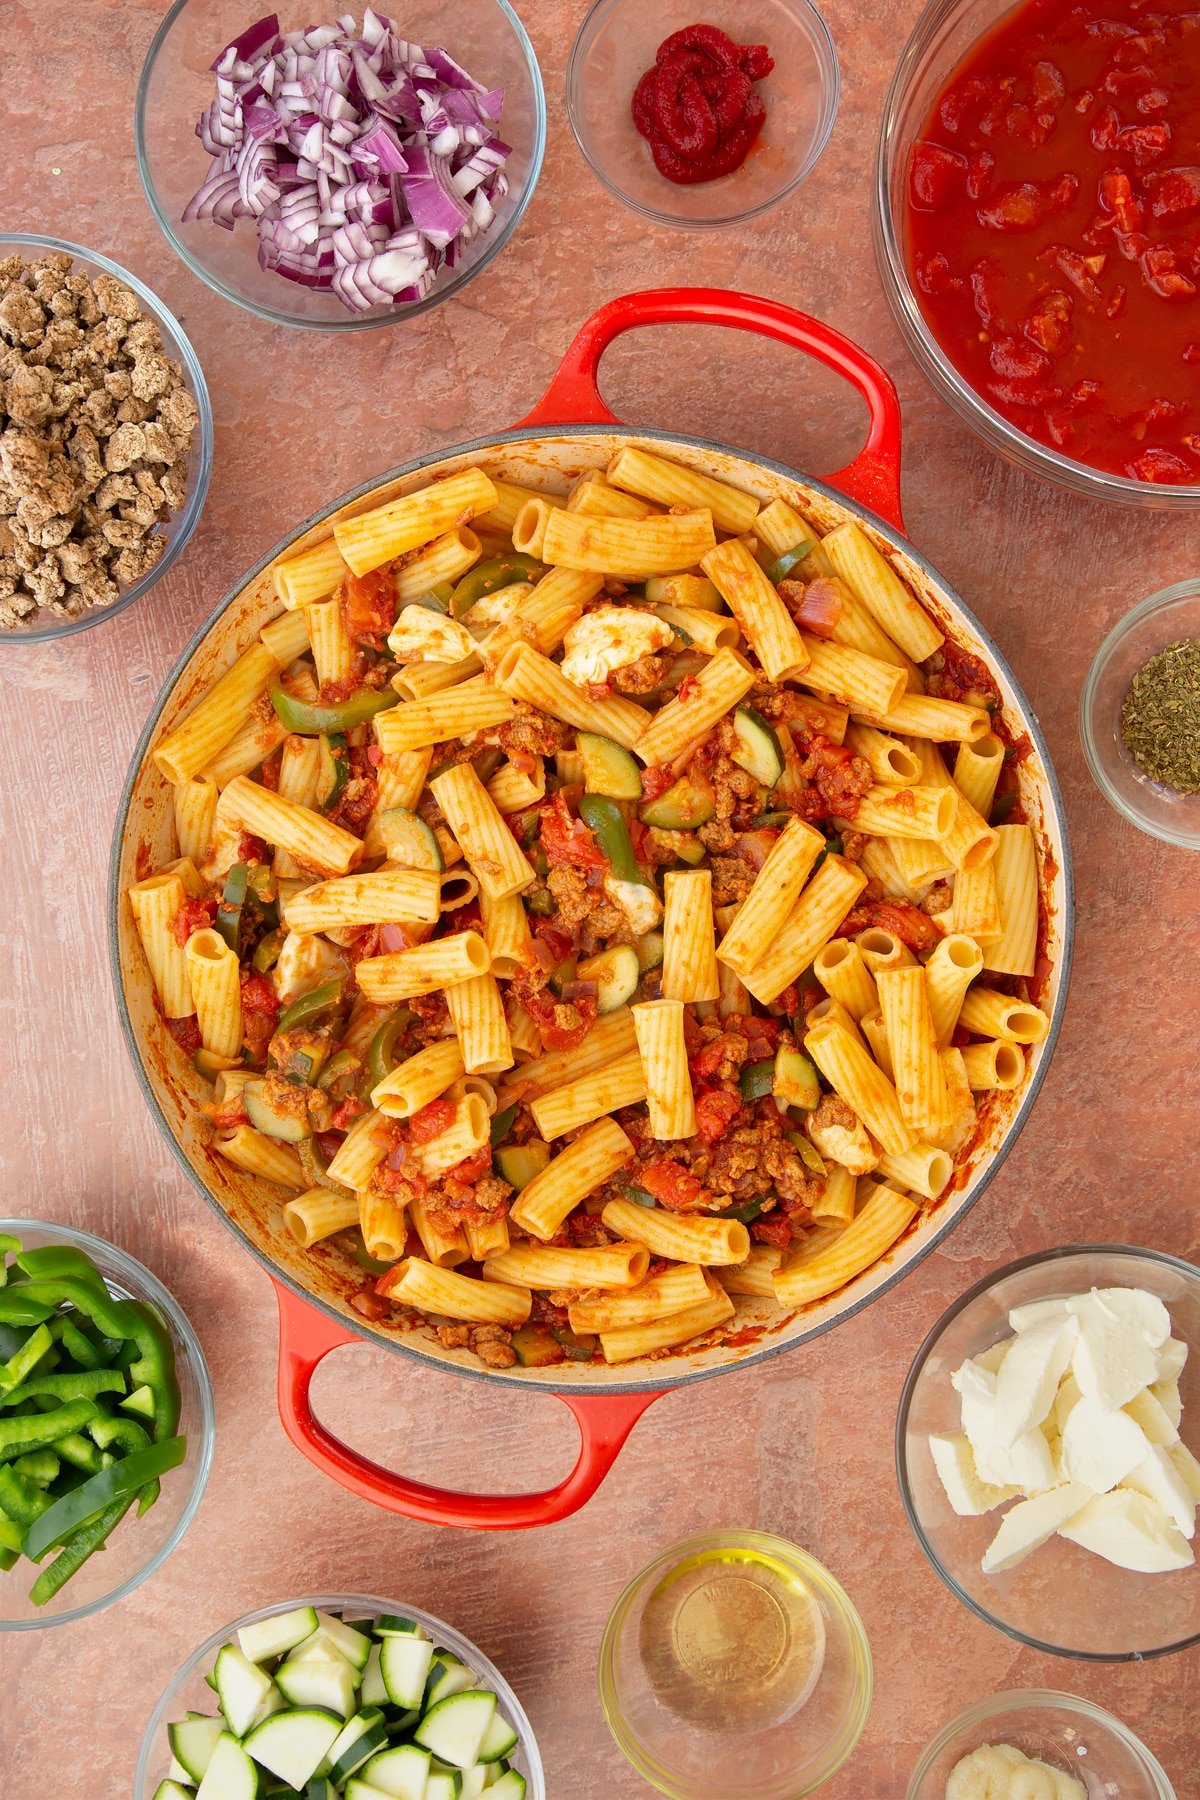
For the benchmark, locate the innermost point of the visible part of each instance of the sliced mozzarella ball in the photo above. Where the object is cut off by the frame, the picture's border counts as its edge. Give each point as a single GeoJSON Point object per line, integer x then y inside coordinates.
{"type": "Point", "coordinates": [610, 638]}
{"type": "Point", "coordinates": [640, 904]}
{"type": "Point", "coordinates": [955, 1463]}
{"type": "Point", "coordinates": [1129, 1530]}
{"type": "Point", "coordinates": [1171, 1359]}
{"type": "Point", "coordinates": [1166, 1392]}
{"type": "Point", "coordinates": [1034, 1782]}
{"type": "Point", "coordinates": [1153, 1417]}
{"type": "Point", "coordinates": [1158, 1478]}
{"type": "Point", "coordinates": [1113, 1360]}
{"type": "Point", "coordinates": [1029, 1524]}
{"type": "Point", "coordinates": [1131, 1305]}
{"type": "Point", "coordinates": [1068, 1396]}
{"type": "Point", "coordinates": [1099, 1447]}
{"type": "Point", "coordinates": [1028, 1377]}
{"type": "Point", "coordinates": [1036, 1312]}
{"type": "Point", "coordinates": [1188, 1467]}
{"type": "Point", "coordinates": [991, 1358]}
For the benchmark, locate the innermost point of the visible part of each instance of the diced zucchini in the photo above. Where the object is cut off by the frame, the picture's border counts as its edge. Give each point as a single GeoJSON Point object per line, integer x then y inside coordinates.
{"type": "Point", "coordinates": [607, 768]}
{"type": "Point", "coordinates": [649, 951]}
{"type": "Point", "coordinates": [192, 1742]}
{"type": "Point", "coordinates": [320, 1788]}
{"type": "Point", "coordinates": [294, 1744]}
{"type": "Point", "coordinates": [444, 1784]}
{"type": "Point", "coordinates": [401, 1772]}
{"type": "Point", "coordinates": [172, 1790]}
{"type": "Point", "coordinates": [615, 972]}
{"type": "Point", "coordinates": [243, 1689]}
{"type": "Point", "coordinates": [404, 1663]}
{"type": "Point", "coordinates": [358, 1789]}
{"type": "Point", "coordinates": [391, 1625]}
{"type": "Point", "coordinates": [683, 807]}
{"type": "Point", "coordinates": [449, 1675]}
{"type": "Point", "coordinates": [686, 847]}
{"type": "Point", "coordinates": [519, 1163]}
{"type": "Point", "coordinates": [534, 1347]}
{"type": "Point", "coordinates": [277, 1635]}
{"type": "Point", "coordinates": [373, 1691]}
{"type": "Point", "coordinates": [354, 1645]}
{"type": "Point", "coordinates": [231, 1774]}
{"type": "Point", "coordinates": [290, 1127]}
{"type": "Point", "coordinates": [318, 1681]}
{"type": "Point", "coordinates": [474, 1781]}
{"type": "Point", "coordinates": [409, 841]}
{"type": "Point", "coordinates": [333, 769]}
{"type": "Point", "coordinates": [510, 1786]}
{"type": "Point", "coordinates": [454, 1727]}
{"type": "Point", "coordinates": [498, 1740]}
{"type": "Point", "coordinates": [360, 1739]}
{"type": "Point", "coordinates": [756, 1079]}
{"type": "Point", "coordinates": [757, 750]}
{"type": "Point", "coordinates": [795, 1081]}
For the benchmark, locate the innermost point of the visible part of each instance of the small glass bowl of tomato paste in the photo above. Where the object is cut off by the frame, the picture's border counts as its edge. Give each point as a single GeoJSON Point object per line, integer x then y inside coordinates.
{"type": "Point", "coordinates": [1037, 223]}
{"type": "Point", "coordinates": [618, 42]}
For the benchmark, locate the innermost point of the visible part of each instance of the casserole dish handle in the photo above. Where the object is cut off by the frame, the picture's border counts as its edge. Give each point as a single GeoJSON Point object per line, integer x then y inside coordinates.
{"type": "Point", "coordinates": [872, 479]}
{"type": "Point", "coordinates": [307, 1336]}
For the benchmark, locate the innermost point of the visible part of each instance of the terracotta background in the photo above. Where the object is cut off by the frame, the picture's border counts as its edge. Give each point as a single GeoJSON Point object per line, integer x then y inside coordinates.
{"type": "Point", "coordinates": [803, 1448]}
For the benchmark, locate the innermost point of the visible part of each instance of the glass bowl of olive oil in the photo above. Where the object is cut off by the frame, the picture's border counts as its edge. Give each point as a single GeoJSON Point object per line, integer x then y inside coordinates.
{"type": "Point", "coordinates": [1139, 716]}
{"type": "Point", "coordinates": [734, 1667]}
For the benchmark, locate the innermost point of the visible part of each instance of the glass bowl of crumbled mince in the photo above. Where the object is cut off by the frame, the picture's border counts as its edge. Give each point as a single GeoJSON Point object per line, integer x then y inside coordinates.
{"type": "Point", "coordinates": [106, 438]}
{"type": "Point", "coordinates": [1140, 715]}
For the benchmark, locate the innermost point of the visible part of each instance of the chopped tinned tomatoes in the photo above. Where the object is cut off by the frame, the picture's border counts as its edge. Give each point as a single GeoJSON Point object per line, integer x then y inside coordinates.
{"type": "Point", "coordinates": [560, 1027]}
{"type": "Point", "coordinates": [370, 605]}
{"type": "Point", "coordinates": [673, 1185]}
{"type": "Point", "coordinates": [567, 840]}
{"type": "Point", "coordinates": [193, 915]}
{"type": "Point", "coordinates": [715, 1112]}
{"type": "Point", "coordinates": [472, 1168]}
{"type": "Point", "coordinates": [912, 926]}
{"type": "Point", "coordinates": [431, 1120]}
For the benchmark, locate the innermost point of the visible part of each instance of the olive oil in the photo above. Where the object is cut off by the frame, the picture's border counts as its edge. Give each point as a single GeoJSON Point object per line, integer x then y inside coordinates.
{"type": "Point", "coordinates": [732, 1640]}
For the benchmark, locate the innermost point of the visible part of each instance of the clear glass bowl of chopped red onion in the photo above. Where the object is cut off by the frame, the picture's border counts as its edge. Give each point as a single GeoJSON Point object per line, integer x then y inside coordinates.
{"type": "Point", "coordinates": [339, 172]}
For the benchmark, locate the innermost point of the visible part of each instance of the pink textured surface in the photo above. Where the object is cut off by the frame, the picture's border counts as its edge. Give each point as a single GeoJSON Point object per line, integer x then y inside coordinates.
{"type": "Point", "coordinates": [802, 1447]}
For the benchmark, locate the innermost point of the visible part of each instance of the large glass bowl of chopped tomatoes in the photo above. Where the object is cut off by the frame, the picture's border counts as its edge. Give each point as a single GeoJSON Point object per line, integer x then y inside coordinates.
{"type": "Point", "coordinates": [1037, 229]}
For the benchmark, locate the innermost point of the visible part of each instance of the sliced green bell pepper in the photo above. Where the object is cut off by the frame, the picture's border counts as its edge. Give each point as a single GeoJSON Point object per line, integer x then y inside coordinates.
{"type": "Point", "coordinates": [41, 1431]}
{"type": "Point", "coordinates": [487, 577]}
{"type": "Point", "coordinates": [77, 1384]}
{"type": "Point", "coordinates": [310, 1006]}
{"type": "Point", "coordinates": [20, 1364]}
{"type": "Point", "coordinates": [605, 820]}
{"type": "Point", "coordinates": [75, 1552]}
{"type": "Point", "coordinates": [310, 719]}
{"type": "Point", "coordinates": [782, 567]}
{"type": "Point", "coordinates": [502, 1124]}
{"type": "Point", "coordinates": [86, 1502]}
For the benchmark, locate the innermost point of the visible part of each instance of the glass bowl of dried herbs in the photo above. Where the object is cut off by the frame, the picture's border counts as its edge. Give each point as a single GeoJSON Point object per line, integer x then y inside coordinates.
{"type": "Point", "coordinates": [1140, 715]}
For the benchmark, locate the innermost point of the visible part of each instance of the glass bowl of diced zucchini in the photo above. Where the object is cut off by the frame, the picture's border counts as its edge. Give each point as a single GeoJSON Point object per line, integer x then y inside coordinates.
{"type": "Point", "coordinates": [339, 1695]}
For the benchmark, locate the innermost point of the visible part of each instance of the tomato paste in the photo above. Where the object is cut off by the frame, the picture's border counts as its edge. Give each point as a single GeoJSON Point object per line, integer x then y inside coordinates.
{"type": "Point", "coordinates": [697, 107]}
{"type": "Point", "coordinates": [1053, 211]}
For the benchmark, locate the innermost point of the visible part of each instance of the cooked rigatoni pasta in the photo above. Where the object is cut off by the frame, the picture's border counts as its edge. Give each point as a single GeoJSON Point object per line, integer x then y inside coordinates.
{"type": "Point", "coordinates": [489, 846]}
{"type": "Point", "coordinates": [477, 1009]}
{"type": "Point", "coordinates": [195, 803]}
{"type": "Point", "coordinates": [689, 945]}
{"type": "Point", "coordinates": [214, 978]}
{"type": "Point", "coordinates": [1014, 952]}
{"type": "Point", "coordinates": [769, 628]}
{"type": "Point", "coordinates": [156, 903]}
{"type": "Point", "coordinates": [663, 1050]}
{"type": "Point", "coordinates": [495, 922]}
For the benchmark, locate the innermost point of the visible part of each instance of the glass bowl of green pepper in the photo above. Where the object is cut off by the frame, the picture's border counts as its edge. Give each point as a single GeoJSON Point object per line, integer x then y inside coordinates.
{"type": "Point", "coordinates": [106, 1424]}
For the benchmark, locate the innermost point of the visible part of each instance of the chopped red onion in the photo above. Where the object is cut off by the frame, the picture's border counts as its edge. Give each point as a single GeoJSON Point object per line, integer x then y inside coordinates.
{"type": "Point", "coordinates": [367, 162]}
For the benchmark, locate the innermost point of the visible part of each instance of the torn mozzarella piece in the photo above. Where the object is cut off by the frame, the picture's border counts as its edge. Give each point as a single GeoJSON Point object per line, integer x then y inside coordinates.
{"type": "Point", "coordinates": [1157, 1477]}
{"type": "Point", "coordinates": [422, 635]}
{"type": "Point", "coordinates": [954, 1461]}
{"type": "Point", "coordinates": [991, 1358]}
{"type": "Point", "coordinates": [611, 638]}
{"type": "Point", "coordinates": [1028, 1377]}
{"type": "Point", "coordinates": [1166, 1393]}
{"type": "Point", "coordinates": [1113, 1359]}
{"type": "Point", "coordinates": [1002, 1772]}
{"type": "Point", "coordinates": [1129, 1530]}
{"type": "Point", "coordinates": [640, 904]}
{"type": "Point", "coordinates": [1026, 1464]}
{"type": "Point", "coordinates": [495, 609]}
{"type": "Point", "coordinates": [1032, 1523]}
{"type": "Point", "coordinates": [1134, 1305]}
{"type": "Point", "coordinates": [1188, 1467]}
{"type": "Point", "coordinates": [1067, 1397]}
{"type": "Point", "coordinates": [1099, 1447]}
{"type": "Point", "coordinates": [303, 963]}
{"type": "Point", "coordinates": [1172, 1357]}
{"type": "Point", "coordinates": [1152, 1416]}
{"type": "Point", "coordinates": [1037, 1312]}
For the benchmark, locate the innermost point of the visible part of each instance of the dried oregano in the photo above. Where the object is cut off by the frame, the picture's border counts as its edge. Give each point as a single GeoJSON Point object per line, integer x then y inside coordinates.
{"type": "Point", "coordinates": [1160, 717]}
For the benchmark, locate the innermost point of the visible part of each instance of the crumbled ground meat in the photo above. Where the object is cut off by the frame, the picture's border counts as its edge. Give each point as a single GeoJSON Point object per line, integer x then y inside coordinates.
{"type": "Point", "coordinates": [751, 1161]}
{"type": "Point", "coordinates": [938, 898]}
{"type": "Point", "coordinates": [830, 1110]}
{"type": "Point", "coordinates": [853, 845]}
{"type": "Point", "coordinates": [95, 428]}
{"type": "Point", "coordinates": [732, 879]}
{"type": "Point", "coordinates": [533, 731]}
{"type": "Point", "coordinates": [640, 677]}
{"type": "Point", "coordinates": [717, 834]}
{"type": "Point", "coordinates": [587, 910]}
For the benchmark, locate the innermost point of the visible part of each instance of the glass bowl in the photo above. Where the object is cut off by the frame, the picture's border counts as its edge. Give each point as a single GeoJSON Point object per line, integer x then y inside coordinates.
{"type": "Point", "coordinates": [1163, 619]}
{"type": "Point", "coordinates": [1081, 1739]}
{"type": "Point", "coordinates": [945, 32]}
{"type": "Point", "coordinates": [615, 46]}
{"type": "Point", "coordinates": [138, 1547]}
{"type": "Point", "coordinates": [187, 1690]}
{"type": "Point", "coordinates": [1061, 1599]}
{"type": "Point", "coordinates": [177, 83]}
{"type": "Point", "coordinates": [706, 1629]}
{"type": "Point", "coordinates": [180, 526]}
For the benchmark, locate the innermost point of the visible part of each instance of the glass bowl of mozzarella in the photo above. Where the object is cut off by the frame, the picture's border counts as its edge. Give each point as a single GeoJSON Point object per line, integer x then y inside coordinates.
{"type": "Point", "coordinates": [1045, 1451]}
{"type": "Point", "coordinates": [1035, 1742]}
